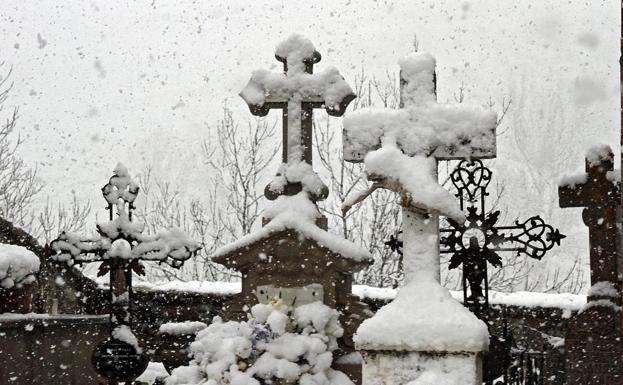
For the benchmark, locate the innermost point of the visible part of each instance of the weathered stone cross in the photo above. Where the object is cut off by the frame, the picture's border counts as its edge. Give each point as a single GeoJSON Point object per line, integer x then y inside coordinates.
{"type": "Point", "coordinates": [598, 191]}
{"type": "Point", "coordinates": [400, 149]}
{"type": "Point", "coordinates": [297, 91]}
{"type": "Point", "coordinates": [422, 127]}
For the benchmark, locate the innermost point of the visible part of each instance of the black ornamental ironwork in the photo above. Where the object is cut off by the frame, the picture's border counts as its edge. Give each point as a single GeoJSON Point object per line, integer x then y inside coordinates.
{"type": "Point", "coordinates": [480, 239]}
{"type": "Point", "coordinates": [120, 246]}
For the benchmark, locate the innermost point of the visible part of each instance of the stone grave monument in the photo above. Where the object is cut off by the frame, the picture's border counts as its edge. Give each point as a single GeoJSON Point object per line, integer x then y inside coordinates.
{"type": "Point", "coordinates": [593, 343]}
{"type": "Point", "coordinates": [424, 335]}
{"type": "Point", "coordinates": [293, 257]}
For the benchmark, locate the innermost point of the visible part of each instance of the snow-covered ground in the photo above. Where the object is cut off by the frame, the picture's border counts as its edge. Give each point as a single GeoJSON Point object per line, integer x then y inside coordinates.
{"type": "Point", "coordinates": [563, 301]}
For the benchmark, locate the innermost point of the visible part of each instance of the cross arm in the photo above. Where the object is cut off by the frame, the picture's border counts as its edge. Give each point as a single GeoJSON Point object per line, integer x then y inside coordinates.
{"type": "Point", "coordinates": [328, 89]}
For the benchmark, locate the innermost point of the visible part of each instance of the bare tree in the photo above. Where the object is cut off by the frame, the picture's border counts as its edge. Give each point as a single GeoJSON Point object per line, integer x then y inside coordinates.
{"type": "Point", "coordinates": [18, 182]}
{"type": "Point", "coordinates": [57, 217]}
{"type": "Point", "coordinates": [370, 223]}
{"type": "Point", "coordinates": [238, 162]}
{"type": "Point", "coordinates": [240, 158]}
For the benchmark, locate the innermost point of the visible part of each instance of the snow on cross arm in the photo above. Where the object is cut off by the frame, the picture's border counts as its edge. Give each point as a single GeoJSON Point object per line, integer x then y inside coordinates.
{"type": "Point", "coordinates": [18, 266]}
{"type": "Point", "coordinates": [395, 144]}
{"type": "Point", "coordinates": [122, 237]}
{"type": "Point", "coordinates": [298, 85]}
{"type": "Point", "coordinates": [422, 126]}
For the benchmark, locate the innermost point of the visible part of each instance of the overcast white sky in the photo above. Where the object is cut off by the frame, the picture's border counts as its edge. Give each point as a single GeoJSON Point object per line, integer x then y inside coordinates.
{"type": "Point", "coordinates": [140, 81]}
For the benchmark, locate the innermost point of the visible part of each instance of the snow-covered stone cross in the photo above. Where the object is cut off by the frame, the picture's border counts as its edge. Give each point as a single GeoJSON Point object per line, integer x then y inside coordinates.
{"type": "Point", "coordinates": [598, 191]}
{"type": "Point", "coordinates": [400, 149]}
{"type": "Point", "coordinates": [297, 91]}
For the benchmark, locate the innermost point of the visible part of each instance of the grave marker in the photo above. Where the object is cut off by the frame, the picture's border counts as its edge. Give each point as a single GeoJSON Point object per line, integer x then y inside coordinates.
{"type": "Point", "coordinates": [293, 258]}
{"type": "Point", "coordinates": [120, 246]}
{"type": "Point", "coordinates": [423, 333]}
{"type": "Point", "coordinates": [594, 338]}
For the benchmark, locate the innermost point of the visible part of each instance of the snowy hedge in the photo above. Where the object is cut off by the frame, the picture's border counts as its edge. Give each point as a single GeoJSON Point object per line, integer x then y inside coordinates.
{"type": "Point", "coordinates": [277, 345]}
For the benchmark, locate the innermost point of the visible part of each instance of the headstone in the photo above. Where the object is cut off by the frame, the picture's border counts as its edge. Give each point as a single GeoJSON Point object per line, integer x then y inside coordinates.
{"type": "Point", "coordinates": [593, 343]}
{"type": "Point", "coordinates": [424, 335]}
{"type": "Point", "coordinates": [293, 257]}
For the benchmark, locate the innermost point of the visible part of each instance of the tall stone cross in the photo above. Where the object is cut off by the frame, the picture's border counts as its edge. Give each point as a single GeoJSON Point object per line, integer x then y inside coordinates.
{"type": "Point", "coordinates": [297, 91]}
{"type": "Point", "coordinates": [400, 149]}
{"type": "Point", "coordinates": [598, 191]}
{"type": "Point", "coordinates": [422, 127]}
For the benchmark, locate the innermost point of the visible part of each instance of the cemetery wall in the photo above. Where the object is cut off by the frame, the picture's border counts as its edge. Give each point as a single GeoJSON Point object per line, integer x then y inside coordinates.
{"type": "Point", "coordinates": [47, 349]}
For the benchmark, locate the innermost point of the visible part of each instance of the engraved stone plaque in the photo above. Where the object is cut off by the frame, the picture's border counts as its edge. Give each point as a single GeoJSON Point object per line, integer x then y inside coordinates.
{"type": "Point", "coordinates": [291, 296]}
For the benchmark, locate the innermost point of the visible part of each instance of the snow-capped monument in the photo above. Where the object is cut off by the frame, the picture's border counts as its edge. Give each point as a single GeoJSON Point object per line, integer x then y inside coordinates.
{"type": "Point", "coordinates": [424, 336]}
{"type": "Point", "coordinates": [293, 258]}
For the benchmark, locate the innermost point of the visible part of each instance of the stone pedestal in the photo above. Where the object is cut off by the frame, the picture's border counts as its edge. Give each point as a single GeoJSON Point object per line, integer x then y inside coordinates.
{"type": "Point", "coordinates": [401, 368]}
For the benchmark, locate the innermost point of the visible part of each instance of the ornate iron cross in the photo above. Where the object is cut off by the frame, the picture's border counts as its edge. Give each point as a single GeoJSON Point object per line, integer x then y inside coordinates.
{"type": "Point", "coordinates": [120, 245]}
{"type": "Point", "coordinates": [480, 238]}
{"type": "Point", "coordinates": [297, 91]}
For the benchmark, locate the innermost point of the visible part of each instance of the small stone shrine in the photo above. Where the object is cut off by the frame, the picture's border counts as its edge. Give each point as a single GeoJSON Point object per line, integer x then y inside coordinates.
{"type": "Point", "coordinates": [424, 335]}
{"type": "Point", "coordinates": [594, 337]}
{"type": "Point", "coordinates": [293, 258]}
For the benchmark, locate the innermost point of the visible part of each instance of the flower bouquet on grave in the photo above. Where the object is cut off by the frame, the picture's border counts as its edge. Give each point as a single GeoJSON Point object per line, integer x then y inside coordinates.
{"type": "Point", "coordinates": [277, 345]}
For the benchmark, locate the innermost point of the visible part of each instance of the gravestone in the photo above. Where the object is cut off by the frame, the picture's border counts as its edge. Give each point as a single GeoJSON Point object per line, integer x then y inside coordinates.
{"type": "Point", "coordinates": [293, 258]}
{"type": "Point", "coordinates": [424, 335]}
{"type": "Point", "coordinates": [593, 343]}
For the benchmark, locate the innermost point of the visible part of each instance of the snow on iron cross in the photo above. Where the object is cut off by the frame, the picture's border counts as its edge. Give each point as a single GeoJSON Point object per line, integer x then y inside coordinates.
{"type": "Point", "coordinates": [18, 266]}
{"type": "Point", "coordinates": [297, 91]}
{"type": "Point", "coordinates": [121, 237]}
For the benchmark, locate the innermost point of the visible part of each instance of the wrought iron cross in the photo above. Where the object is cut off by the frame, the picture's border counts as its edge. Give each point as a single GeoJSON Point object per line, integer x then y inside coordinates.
{"type": "Point", "coordinates": [297, 91]}
{"type": "Point", "coordinates": [599, 192]}
{"type": "Point", "coordinates": [480, 239]}
{"type": "Point", "coordinates": [120, 246]}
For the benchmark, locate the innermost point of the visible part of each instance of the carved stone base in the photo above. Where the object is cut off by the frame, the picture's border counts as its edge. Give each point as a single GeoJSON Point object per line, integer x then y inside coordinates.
{"type": "Point", "coordinates": [400, 368]}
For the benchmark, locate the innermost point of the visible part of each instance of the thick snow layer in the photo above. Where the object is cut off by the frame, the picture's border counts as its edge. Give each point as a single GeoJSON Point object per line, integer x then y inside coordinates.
{"type": "Point", "coordinates": [297, 172]}
{"type": "Point", "coordinates": [573, 180]}
{"type": "Point", "coordinates": [423, 317]}
{"type": "Point", "coordinates": [603, 289]}
{"type": "Point", "coordinates": [125, 334]}
{"type": "Point", "coordinates": [597, 154]}
{"type": "Point", "coordinates": [17, 266]}
{"type": "Point", "coordinates": [181, 328]}
{"type": "Point", "coordinates": [421, 369]}
{"type": "Point", "coordinates": [565, 301]}
{"type": "Point", "coordinates": [204, 287]}
{"type": "Point", "coordinates": [274, 344]}
{"type": "Point", "coordinates": [297, 213]}
{"type": "Point", "coordinates": [153, 371]}
{"type": "Point", "coordinates": [423, 126]}
{"type": "Point", "coordinates": [121, 186]}
{"type": "Point", "coordinates": [165, 244]}
{"type": "Point", "coordinates": [416, 175]}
